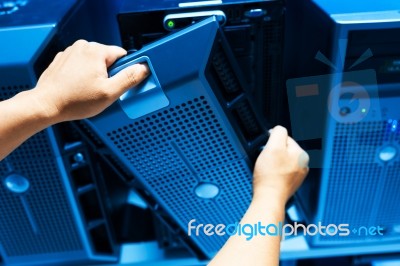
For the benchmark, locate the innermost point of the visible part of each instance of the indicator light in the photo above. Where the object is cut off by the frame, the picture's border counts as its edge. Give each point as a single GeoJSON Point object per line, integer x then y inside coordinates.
{"type": "Point", "coordinates": [171, 24]}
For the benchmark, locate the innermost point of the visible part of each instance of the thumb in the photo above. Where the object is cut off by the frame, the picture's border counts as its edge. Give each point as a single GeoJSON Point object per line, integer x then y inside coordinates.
{"type": "Point", "coordinates": [128, 78]}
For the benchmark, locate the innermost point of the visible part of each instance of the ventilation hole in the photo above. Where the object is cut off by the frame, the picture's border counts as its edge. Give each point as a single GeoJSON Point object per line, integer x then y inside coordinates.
{"type": "Point", "coordinates": [7, 92]}
{"type": "Point", "coordinates": [49, 204]}
{"type": "Point", "coordinates": [354, 152]}
{"type": "Point", "coordinates": [204, 145]}
{"type": "Point", "coordinates": [247, 121]}
{"type": "Point", "coordinates": [225, 75]}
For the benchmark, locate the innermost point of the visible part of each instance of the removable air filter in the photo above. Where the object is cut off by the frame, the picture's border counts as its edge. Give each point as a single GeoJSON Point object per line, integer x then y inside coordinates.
{"type": "Point", "coordinates": [188, 133]}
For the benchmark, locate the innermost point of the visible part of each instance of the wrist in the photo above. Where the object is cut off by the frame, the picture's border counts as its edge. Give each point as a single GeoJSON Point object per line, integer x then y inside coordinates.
{"type": "Point", "coordinates": [270, 207]}
{"type": "Point", "coordinates": [40, 108]}
{"type": "Point", "coordinates": [272, 196]}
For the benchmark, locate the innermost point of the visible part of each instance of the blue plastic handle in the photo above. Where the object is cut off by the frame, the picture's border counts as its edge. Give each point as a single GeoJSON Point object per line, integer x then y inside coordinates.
{"type": "Point", "coordinates": [144, 98]}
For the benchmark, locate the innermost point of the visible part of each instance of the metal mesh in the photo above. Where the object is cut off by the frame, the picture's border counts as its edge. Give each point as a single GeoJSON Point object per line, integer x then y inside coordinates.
{"type": "Point", "coordinates": [176, 149]}
{"type": "Point", "coordinates": [39, 221]}
{"type": "Point", "coordinates": [362, 190]}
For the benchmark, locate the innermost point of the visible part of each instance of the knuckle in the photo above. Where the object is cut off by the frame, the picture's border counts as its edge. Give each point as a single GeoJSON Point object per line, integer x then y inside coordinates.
{"type": "Point", "coordinates": [67, 50]}
{"type": "Point", "coordinates": [104, 92]}
{"type": "Point", "coordinates": [58, 55]}
{"type": "Point", "coordinates": [281, 129]}
{"type": "Point", "coordinates": [80, 43]}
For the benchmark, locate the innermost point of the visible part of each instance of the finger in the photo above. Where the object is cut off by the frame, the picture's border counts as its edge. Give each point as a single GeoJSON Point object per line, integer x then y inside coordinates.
{"type": "Point", "coordinates": [129, 77]}
{"type": "Point", "coordinates": [111, 52]}
{"type": "Point", "coordinates": [278, 138]}
{"type": "Point", "coordinates": [292, 144]}
{"type": "Point", "coordinates": [304, 159]}
{"type": "Point", "coordinates": [295, 149]}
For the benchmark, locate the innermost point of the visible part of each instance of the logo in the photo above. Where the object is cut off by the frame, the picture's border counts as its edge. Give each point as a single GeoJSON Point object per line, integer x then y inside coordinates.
{"type": "Point", "coordinates": [346, 97]}
{"type": "Point", "coordinates": [281, 230]}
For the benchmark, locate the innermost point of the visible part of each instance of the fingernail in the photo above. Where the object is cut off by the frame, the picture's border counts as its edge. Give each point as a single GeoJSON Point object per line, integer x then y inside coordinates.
{"type": "Point", "coordinates": [270, 131]}
{"type": "Point", "coordinates": [146, 68]}
{"type": "Point", "coordinates": [304, 159]}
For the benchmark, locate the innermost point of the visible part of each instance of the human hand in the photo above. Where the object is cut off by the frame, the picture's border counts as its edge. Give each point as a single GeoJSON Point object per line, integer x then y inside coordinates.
{"type": "Point", "coordinates": [280, 168]}
{"type": "Point", "coordinates": [76, 84]}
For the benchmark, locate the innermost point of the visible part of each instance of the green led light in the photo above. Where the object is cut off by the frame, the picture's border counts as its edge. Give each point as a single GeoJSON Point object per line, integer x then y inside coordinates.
{"type": "Point", "coordinates": [363, 110]}
{"type": "Point", "coordinates": [171, 24]}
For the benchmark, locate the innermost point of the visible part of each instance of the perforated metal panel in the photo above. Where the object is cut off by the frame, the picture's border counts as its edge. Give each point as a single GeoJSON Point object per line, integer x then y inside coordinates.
{"type": "Point", "coordinates": [176, 149]}
{"type": "Point", "coordinates": [39, 225]}
{"type": "Point", "coordinates": [34, 222]}
{"type": "Point", "coordinates": [61, 217]}
{"type": "Point", "coordinates": [7, 92]}
{"type": "Point", "coordinates": [39, 221]}
{"type": "Point", "coordinates": [39, 143]}
{"type": "Point", "coordinates": [388, 212]}
{"type": "Point", "coordinates": [361, 189]}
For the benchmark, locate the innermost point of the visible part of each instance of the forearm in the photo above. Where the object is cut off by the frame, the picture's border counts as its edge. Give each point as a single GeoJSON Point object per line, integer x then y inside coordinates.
{"type": "Point", "coordinates": [279, 171]}
{"type": "Point", "coordinates": [21, 117]}
{"type": "Point", "coordinates": [261, 249]}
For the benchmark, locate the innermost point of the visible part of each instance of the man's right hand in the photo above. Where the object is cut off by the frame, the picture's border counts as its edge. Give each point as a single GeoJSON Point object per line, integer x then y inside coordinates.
{"type": "Point", "coordinates": [76, 84]}
{"type": "Point", "coordinates": [280, 168]}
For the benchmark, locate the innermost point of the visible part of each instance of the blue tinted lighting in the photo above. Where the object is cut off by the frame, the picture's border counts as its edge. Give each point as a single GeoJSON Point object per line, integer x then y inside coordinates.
{"type": "Point", "coordinates": [387, 153]}
{"type": "Point", "coordinates": [394, 125]}
{"type": "Point", "coordinates": [17, 183]}
{"type": "Point", "coordinates": [207, 190]}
